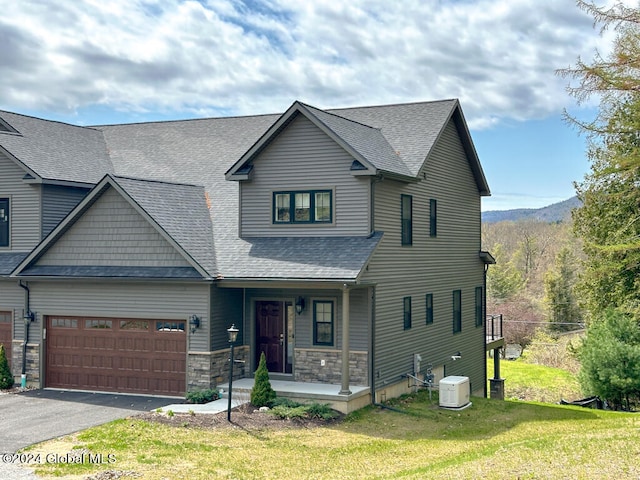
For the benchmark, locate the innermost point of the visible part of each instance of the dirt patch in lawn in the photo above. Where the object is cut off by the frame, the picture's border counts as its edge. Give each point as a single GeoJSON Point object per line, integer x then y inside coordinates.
{"type": "Point", "coordinates": [246, 417]}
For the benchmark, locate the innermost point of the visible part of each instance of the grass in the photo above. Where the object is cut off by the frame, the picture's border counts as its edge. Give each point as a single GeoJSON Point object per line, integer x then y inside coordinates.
{"type": "Point", "coordinates": [526, 381]}
{"type": "Point", "coordinates": [509, 439]}
{"type": "Point", "coordinates": [412, 439]}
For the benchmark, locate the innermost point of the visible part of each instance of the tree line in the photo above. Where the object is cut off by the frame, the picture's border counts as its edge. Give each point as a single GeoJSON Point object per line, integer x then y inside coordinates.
{"type": "Point", "coordinates": [591, 268]}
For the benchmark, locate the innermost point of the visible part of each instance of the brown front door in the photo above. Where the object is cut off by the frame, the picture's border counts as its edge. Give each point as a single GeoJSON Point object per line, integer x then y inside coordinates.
{"type": "Point", "coordinates": [274, 337]}
{"type": "Point", "coordinates": [5, 333]}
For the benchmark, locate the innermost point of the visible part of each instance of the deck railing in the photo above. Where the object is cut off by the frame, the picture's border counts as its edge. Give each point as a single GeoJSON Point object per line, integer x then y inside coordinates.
{"type": "Point", "coordinates": [493, 327]}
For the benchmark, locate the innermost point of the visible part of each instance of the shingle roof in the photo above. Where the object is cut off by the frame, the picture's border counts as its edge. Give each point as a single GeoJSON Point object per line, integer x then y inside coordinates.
{"type": "Point", "coordinates": [55, 150]}
{"type": "Point", "coordinates": [369, 141]}
{"type": "Point", "coordinates": [309, 258]}
{"type": "Point", "coordinates": [181, 211]}
{"type": "Point", "coordinates": [197, 153]}
{"type": "Point", "coordinates": [182, 273]}
{"type": "Point", "coordinates": [10, 260]}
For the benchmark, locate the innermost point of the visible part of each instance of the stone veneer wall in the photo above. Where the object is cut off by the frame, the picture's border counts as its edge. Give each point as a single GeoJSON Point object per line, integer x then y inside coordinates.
{"type": "Point", "coordinates": [208, 369]}
{"type": "Point", "coordinates": [309, 368]}
{"type": "Point", "coordinates": [33, 363]}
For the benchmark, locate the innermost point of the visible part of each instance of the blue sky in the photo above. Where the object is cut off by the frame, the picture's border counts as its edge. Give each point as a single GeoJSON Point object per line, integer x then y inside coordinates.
{"type": "Point", "coordinates": [87, 63]}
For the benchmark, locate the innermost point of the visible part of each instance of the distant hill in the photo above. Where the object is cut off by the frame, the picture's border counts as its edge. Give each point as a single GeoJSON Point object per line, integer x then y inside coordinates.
{"type": "Point", "coordinates": [553, 213]}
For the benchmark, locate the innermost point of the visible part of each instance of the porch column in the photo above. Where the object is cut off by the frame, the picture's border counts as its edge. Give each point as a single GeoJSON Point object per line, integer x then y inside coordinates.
{"type": "Point", "coordinates": [345, 342]}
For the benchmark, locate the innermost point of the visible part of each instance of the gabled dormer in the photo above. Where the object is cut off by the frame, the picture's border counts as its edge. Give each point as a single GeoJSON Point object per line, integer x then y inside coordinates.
{"type": "Point", "coordinates": [310, 175]}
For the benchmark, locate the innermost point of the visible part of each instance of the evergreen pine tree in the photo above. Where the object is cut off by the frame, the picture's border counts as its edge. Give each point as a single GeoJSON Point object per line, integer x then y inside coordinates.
{"type": "Point", "coordinates": [262, 395]}
{"type": "Point", "coordinates": [6, 378]}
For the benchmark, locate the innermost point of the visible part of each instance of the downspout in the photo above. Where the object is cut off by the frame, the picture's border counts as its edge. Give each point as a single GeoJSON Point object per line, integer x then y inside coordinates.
{"type": "Point", "coordinates": [484, 313]}
{"type": "Point", "coordinates": [372, 216]}
{"type": "Point", "coordinates": [372, 348]}
{"type": "Point", "coordinates": [28, 318]}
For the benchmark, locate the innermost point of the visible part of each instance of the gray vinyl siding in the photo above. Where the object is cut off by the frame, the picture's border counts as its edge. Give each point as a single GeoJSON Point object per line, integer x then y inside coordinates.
{"type": "Point", "coordinates": [57, 202]}
{"type": "Point", "coordinates": [113, 233]}
{"type": "Point", "coordinates": [226, 310]}
{"type": "Point", "coordinates": [155, 300]}
{"type": "Point", "coordinates": [437, 265]}
{"type": "Point", "coordinates": [304, 158]}
{"type": "Point", "coordinates": [12, 300]}
{"type": "Point", "coordinates": [24, 206]}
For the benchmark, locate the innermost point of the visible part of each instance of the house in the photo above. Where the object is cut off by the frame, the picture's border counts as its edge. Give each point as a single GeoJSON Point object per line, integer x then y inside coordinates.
{"type": "Point", "coordinates": [344, 244]}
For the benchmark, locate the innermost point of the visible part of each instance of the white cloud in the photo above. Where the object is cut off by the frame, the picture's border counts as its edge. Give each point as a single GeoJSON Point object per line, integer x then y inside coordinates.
{"type": "Point", "coordinates": [240, 57]}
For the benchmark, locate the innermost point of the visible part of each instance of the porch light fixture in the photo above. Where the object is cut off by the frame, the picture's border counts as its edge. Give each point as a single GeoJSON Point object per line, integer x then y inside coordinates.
{"type": "Point", "coordinates": [299, 305]}
{"type": "Point", "coordinates": [194, 321]}
{"type": "Point", "coordinates": [233, 335]}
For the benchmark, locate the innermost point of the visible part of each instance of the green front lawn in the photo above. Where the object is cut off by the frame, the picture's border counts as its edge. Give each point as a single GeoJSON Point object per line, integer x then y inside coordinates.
{"type": "Point", "coordinates": [492, 439]}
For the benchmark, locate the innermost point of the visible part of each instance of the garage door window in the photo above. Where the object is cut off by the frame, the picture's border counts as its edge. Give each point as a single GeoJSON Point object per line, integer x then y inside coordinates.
{"type": "Point", "coordinates": [64, 322]}
{"type": "Point", "coordinates": [98, 323]}
{"type": "Point", "coordinates": [134, 325]}
{"type": "Point", "coordinates": [170, 326]}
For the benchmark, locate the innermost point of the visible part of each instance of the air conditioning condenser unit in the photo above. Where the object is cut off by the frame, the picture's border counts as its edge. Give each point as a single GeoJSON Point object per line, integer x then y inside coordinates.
{"type": "Point", "coordinates": [454, 392]}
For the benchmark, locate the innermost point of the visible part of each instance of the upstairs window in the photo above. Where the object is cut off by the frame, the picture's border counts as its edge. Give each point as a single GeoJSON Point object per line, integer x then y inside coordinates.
{"type": "Point", "coordinates": [406, 213]}
{"type": "Point", "coordinates": [457, 311]}
{"type": "Point", "coordinates": [433, 218]}
{"type": "Point", "coordinates": [429, 305]}
{"type": "Point", "coordinates": [4, 222]}
{"type": "Point", "coordinates": [312, 206]}
{"type": "Point", "coordinates": [479, 306]}
{"type": "Point", "coordinates": [407, 312]}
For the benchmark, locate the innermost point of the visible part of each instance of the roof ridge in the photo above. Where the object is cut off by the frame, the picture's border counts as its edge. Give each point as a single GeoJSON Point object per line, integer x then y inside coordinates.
{"type": "Point", "coordinates": [199, 119]}
{"type": "Point", "coordinates": [327, 112]}
{"type": "Point", "coordinates": [399, 104]}
{"type": "Point", "coordinates": [59, 122]}
{"type": "Point", "coordinates": [152, 180]}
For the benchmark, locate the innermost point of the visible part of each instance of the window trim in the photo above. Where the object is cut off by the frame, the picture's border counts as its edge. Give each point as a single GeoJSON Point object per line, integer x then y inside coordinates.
{"type": "Point", "coordinates": [406, 308]}
{"type": "Point", "coordinates": [332, 323]}
{"type": "Point", "coordinates": [406, 224]}
{"type": "Point", "coordinates": [457, 311]}
{"type": "Point", "coordinates": [433, 217]}
{"type": "Point", "coordinates": [312, 207]}
{"type": "Point", "coordinates": [429, 308]}
{"type": "Point", "coordinates": [479, 306]}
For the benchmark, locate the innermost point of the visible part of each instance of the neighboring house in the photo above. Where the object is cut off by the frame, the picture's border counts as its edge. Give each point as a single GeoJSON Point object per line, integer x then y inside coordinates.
{"type": "Point", "coordinates": [345, 245]}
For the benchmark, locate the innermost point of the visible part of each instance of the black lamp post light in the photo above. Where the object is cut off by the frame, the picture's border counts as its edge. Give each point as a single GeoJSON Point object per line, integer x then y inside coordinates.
{"type": "Point", "coordinates": [233, 335]}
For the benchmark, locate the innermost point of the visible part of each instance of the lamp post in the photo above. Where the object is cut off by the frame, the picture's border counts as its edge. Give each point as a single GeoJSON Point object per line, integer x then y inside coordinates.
{"type": "Point", "coordinates": [233, 335]}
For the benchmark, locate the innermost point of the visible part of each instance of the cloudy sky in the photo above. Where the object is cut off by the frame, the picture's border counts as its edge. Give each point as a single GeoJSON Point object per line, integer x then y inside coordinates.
{"type": "Point", "coordinates": [93, 62]}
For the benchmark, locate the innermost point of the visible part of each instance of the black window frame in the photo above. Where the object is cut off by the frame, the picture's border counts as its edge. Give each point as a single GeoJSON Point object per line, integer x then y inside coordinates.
{"type": "Point", "coordinates": [457, 311]}
{"type": "Point", "coordinates": [316, 322]}
{"type": "Point", "coordinates": [406, 308]}
{"type": "Point", "coordinates": [5, 223]}
{"type": "Point", "coordinates": [292, 207]}
{"type": "Point", "coordinates": [406, 219]}
{"type": "Point", "coordinates": [429, 308]}
{"type": "Point", "coordinates": [433, 217]}
{"type": "Point", "coordinates": [479, 306]}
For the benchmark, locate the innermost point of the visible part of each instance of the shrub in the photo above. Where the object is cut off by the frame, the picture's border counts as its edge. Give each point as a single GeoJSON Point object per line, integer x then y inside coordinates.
{"type": "Point", "coordinates": [6, 377]}
{"type": "Point", "coordinates": [202, 396]}
{"type": "Point", "coordinates": [610, 357]}
{"type": "Point", "coordinates": [284, 412]}
{"type": "Point", "coordinates": [262, 395]}
{"type": "Point", "coordinates": [321, 410]}
{"type": "Point", "coordinates": [288, 409]}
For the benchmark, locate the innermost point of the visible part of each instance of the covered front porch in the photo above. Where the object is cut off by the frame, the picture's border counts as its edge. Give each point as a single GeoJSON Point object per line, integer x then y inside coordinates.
{"type": "Point", "coordinates": [304, 392]}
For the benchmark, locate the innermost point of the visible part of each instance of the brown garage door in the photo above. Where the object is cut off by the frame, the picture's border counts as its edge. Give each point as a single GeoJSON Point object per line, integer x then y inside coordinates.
{"type": "Point", "coordinates": [116, 355]}
{"type": "Point", "coordinates": [5, 333]}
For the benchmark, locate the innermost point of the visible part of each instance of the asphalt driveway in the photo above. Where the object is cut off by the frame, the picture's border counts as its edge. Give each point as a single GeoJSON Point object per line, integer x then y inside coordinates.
{"type": "Point", "coordinates": [37, 415]}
